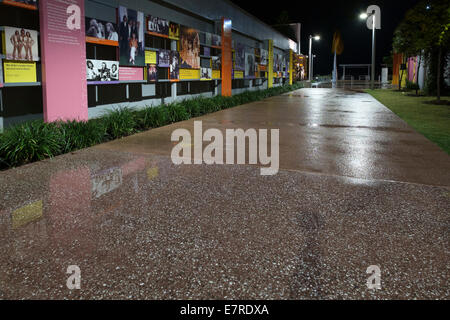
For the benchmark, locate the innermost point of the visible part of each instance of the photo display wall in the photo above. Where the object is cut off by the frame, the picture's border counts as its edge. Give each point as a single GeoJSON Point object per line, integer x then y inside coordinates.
{"type": "Point", "coordinates": [196, 58]}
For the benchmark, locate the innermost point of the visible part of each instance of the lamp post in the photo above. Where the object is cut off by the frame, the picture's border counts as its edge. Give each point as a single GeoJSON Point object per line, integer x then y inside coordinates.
{"type": "Point", "coordinates": [310, 57]}
{"type": "Point", "coordinates": [365, 16]}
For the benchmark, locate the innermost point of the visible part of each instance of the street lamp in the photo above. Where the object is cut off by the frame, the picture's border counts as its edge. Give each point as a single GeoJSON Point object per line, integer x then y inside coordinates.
{"type": "Point", "coordinates": [317, 38]}
{"type": "Point", "coordinates": [365, 16]}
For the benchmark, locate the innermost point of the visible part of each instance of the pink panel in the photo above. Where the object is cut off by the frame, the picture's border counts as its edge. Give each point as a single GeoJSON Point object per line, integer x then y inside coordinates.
{"type": "Point", "coordinates": [412, 69]}
{"type": "Point", "coordinates": [131, 74]}
{"type": "Point", "coordinates": [63, 54]}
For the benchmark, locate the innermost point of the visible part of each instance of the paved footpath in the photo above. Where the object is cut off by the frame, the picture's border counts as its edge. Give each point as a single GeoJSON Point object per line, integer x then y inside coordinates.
{"type": "Point", "coordinates": [357, 187]}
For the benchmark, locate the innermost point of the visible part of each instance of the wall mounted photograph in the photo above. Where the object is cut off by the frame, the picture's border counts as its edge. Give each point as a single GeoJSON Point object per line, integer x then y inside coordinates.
{"type": "Point", "coordinates": [190, 48]}
{"type": "Point", "coordinates": [102, 71]}
{"type": "Point", "coordinates": [158, 25]}
{"type": "Point", "coordinates": [174, 68]}
{"type": "Point", "coordinates": [21, 44]}
{"type": "Point", "coordinates": [163, 58]}
{"type": "Point", "coordinates": [240, 56]}
{"type": "Point", "coordinates": [152, 72]}
{"type": "Point", "coordinates": [264, 57]}
{"type": "Point", "coordinates": [174, 30]}
{"type": "Point", "coordinates": [131, 37]}
{"type": "Point", "coordinates": [216, 63]}
{"type": "Point", "coordinates": [101, 30]}
{"type": "Point", "coordinates": [249, 65]}
{"type": "Point", "coordinates": [206, 74]}
{"type": "Point", "coordinates": [216, 40]}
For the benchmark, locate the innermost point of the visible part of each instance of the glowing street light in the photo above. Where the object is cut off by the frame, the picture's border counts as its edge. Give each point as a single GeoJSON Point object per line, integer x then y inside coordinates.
{"type": "Point", "coordinates": [373, 12]}
{"type": "Point", "coordinates": [311, 37]}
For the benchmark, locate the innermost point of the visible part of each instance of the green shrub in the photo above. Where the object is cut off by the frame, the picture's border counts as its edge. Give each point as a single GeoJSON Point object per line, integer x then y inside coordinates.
{"type": "Point", "coordinates": [177, 112]}
{"type": "Point", "coordinates": [155, 117]}
{"type": "Point", "coordinates": [120, 123]}
{"type": "Point", "coordinates": [30, 141]}
{"type": "Point", "coordinates": [80, 135]}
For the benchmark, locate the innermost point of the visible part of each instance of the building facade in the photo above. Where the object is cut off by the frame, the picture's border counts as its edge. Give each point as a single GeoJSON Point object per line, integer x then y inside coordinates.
{"type": "Point", "coordinates": [77, 59]}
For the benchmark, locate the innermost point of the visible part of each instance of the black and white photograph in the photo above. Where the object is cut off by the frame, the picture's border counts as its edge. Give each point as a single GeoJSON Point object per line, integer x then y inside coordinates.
{"type": "Point", "coordinates": [240, 56]}
{"type": "Point", "coordinates": [131, 37]}
{"type": "Point", "coordinates": [157, 25]}
{"type": "Point", "coordinates": [264, 57]}
{"type": "Point", "coordinates": [21, 44]}
{"type": "Point", "coordinates": [163, 58]}
{"type": "Point", "coordinates": [208, 38]}
{"type": "Point", "coordinates": [216, 63]}
{"type": "Point", "coordinates": [174, 69]}
{"type": "Point", "coordinates": [99, 29]}
{"type": "Point", "coordinates": [216, 40]}
{"type": "Point", "coordinates": [206, 73]}
{"type": "Point", "coordinates": [249, 65]}
{"type": "Point", "coordinates": [152, 70]}
{"type": "Point", "coordinates": [102, 71]}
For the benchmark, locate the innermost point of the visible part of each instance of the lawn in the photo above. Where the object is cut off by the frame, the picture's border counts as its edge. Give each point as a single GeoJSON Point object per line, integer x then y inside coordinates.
{"type": "Point", "coordinates": [433, 121]}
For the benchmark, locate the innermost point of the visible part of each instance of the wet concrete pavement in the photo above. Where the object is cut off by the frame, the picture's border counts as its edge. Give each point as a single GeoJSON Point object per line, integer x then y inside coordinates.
{"type": "Point", "coordinates": [357, 187]}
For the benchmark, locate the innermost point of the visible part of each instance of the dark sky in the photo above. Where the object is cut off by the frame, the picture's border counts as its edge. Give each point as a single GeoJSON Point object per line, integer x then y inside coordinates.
{"type": "Point", "coordinates": [324, 17]}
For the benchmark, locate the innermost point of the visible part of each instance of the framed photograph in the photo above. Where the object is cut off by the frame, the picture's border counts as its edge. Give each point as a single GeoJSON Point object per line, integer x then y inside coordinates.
{"type": "Point", "coordinates": [264, 57]}
{"type": "Point", "coordinates": [131, 37]}
{"type": "Point", "coordinates": [102, 30]}
{"type": "Point", "coordinates": [216, 40]}
{"type": "Point", "coordinates": [249, 65]}
{"type": "Point", "coordinates": [206, 74]}
{"type": "Point", "coordinates": [216, 63]}
{"type": "Point", "coordinates": [174, 69]}
{"type": "Point", "coordinates": [174, 30]}
{"type": "Point", "coordinates": [163, 58]}
{"type": "Point", "coordinates": [21, 44]}
{"type": "Point", "coordinates": [102, 71]}
{"type": "Point", "coordinates": [190, 48]}
{"type": "Point", "coordinates": [158, 25]}
{"type": "Point", "coordinates": [240, 56]}
{"type": "Point", "coordinates": [152, 73]}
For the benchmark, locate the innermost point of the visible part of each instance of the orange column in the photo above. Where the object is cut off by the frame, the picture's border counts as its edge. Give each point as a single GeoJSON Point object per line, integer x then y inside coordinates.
{"type": "Point", "coordinates": [227, 60]}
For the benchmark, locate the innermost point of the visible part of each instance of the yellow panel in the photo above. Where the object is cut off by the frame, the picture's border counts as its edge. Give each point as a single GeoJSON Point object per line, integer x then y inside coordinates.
{"type": "Point", "coordinates": [187, 74]}
{"type": "Point", "coordinates": [270, 66]}
{"type": "Point", "coordinates": [216, 74]}
{"type": "Point", "coordinates": [17, 72]}
{"type": "Point", "coordinates": [150, 57]}
{"type": "Point", "coordinates": [239, 74]}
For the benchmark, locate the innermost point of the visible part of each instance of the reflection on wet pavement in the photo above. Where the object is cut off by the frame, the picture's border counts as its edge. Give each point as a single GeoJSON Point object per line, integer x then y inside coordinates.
{"type": "Point", "coordinates": [140, 227]}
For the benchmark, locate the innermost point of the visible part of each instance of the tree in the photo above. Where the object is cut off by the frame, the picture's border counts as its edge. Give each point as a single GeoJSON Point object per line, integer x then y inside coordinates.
{"type": "Point", "coordinates": [408, 38]}
{"type": "Point", "coordinates": [426, 27]}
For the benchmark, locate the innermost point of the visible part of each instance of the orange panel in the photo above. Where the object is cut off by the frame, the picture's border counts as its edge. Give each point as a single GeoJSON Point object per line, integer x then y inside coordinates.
{"type": "Point", "coordinates": [102, 41]}
{"type": "Point", "coordinates": [227, 61]}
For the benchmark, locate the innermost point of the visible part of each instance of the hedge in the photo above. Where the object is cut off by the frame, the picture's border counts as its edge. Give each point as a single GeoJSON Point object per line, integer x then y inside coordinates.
{"type": "Point", "coordinates": [36, 140]}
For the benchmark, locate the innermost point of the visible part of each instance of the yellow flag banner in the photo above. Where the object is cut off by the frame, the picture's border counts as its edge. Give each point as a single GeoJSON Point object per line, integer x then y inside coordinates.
{"type": "Point", "coordinates": [338, 44]}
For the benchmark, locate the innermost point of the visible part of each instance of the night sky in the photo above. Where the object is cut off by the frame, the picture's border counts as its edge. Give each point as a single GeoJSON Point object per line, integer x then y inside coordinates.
{"type": "Point", "coordinates": [324, 17]}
